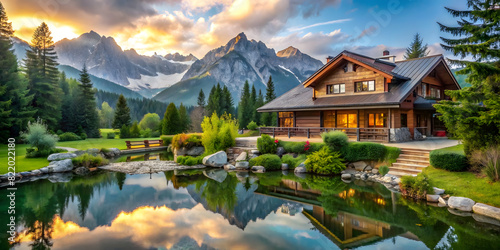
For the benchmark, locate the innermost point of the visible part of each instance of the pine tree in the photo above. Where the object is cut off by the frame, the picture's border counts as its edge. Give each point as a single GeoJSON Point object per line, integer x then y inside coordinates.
{"type": "Point", "coordinates": [213, 101]}
{"type": "Point", "coordinates": [244, 107]}
{"type": "Point", "coordinates": [417, 48]}
{"type": "Point", "coordinates": [228, 100]}
{"type": "Point", "coordinates": [201, 99]}
{"type": "Point", "coordinates": [184, 118]}
{"type": "Point", "coordinates": [135, 131]}
{"type": "Point", "coordinates": [68, 116]}
{"type": "Point", "coordinates": [269, 119]}
{"type": "Point", "coordinates": [41, 71]}
{"type": "Point", "coordinates": [253, 101]}
{"type": "Point", "coordinates": [171, 124]}
{"type": "Point", "coordinates": [90, 118]}
{"type": "Point", "coordinates": [122, 113]}
{"type": "Point", "coordinates": [222, 100]}
{"type": "Point", "coordinates": [474, 113]}
{"type": "Point", "coordinates": [15, 111]}
{"type": "Point", "coordinates": [258, 103]}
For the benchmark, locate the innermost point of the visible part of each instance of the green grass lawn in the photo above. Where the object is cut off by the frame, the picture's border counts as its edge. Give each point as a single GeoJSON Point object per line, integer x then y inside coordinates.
{"type": "Point", "coordinates": [467, 184]}
{"type": "Point", "coordinates": [22, 163]}
{"type": "Point", "coordinates": [100, 143]}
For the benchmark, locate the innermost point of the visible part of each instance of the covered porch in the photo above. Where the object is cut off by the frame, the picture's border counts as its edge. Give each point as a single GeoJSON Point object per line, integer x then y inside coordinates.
{"type": "Point", "coordinates": [375, 124]}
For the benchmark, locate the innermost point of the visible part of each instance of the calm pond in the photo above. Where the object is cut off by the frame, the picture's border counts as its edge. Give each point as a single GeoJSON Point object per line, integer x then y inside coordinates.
{"type": "Point", "coordinates": [188, 210]}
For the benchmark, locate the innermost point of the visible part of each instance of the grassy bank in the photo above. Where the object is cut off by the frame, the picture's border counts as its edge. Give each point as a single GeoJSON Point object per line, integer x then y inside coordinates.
{"type": "Point", "coordinates": [22, 163]}
{"type": "Point", "coordinates": [467, 184]}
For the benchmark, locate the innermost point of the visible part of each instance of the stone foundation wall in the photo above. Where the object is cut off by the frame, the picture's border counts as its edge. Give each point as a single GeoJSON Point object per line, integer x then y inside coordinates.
{"type": "Point", "coordinates": [400, 134]}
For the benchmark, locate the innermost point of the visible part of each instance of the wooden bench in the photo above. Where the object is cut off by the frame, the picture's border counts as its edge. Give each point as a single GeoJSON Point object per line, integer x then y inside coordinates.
{"type": "Point", "coordinates": [145, 144]}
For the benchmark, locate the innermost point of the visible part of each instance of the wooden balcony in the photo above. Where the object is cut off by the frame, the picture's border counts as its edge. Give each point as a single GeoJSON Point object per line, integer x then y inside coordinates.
{"type": "Point", "coordinates": [357, 134]}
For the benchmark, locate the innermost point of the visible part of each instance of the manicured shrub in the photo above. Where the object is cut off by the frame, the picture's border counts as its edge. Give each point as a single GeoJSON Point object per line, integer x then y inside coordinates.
{"type": "Point", "coordinates": [124, 132]}
{"type": "Point", "coordinates": [336, 140]}
{"type": "Point", "coordinates": [186, 141]}
{"type": "Point", "coordinates": [299, 147]}
{"type": "Point", "coordinates": [360, 151]}
{"type": "Point", "coordinates": [218, 133]}
{"type": "Point", "coordinates": [391, 154]}
{"type": "Point", "coordinates": [415, 187]}
{"type": "Point", "coordinates": [383, 170]}
{"type": "Point", "coordinates": [83, 135]}
{"type": "Point", "coordinates": [111, 135]}
{"type": "Point", "coordinates": [35, 153]}
{"type": "Point", "coordinates": [325, 162]}
{"type": "Point", "coordinates": [293, 162]}
{"type": "Point", "coordinates": [69, 136]}
{"type": "Point", "coordinates": [268, 161]}
{"type": "Point", "coordinates": [146, 133]}
{"type": "Point", "coordinates": [89, 161]}
{"type": "Point", "coordinates": [488, 161]}
{"type": "Point", "coordinates": [38, 136]}
{"type": "Point", "coordinates": [252, 125]}
{"type": "Point", "coordinates": [135, 131]}
{"type": "Point", "coordinates": [450, 161]}
{"type": "Point", "coordinates": [155, 133]}
{"type": "Point", "coordinates": [267, 145]}
{"type": "Point", "coordinates": [167, 139]}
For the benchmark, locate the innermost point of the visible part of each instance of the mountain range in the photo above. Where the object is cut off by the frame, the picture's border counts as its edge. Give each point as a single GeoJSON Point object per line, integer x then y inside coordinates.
{"type": "Point", "coordinates": [178, 78]}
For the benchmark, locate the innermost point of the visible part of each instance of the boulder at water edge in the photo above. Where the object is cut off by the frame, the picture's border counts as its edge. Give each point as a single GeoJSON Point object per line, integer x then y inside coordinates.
{"type": "Point", "coordinates": [300, 169]}
{"type": "Point", "coordinates": [61, 156]}
{"type": "Point", "coordinates": [242, 157]}
{"type": "Point", "coordinates": [242, 165]}
{"type": "Point", "coordinates": [258, 169]}
{"type": "Point", "coordinates": [487, 210]}
{"type": "Point", "coordinates": [217, 160]}
{"type": "Point", "coordinates": [195, 151]}
{"type": "Point", "coordinates": [461, 203]}
{"type": "Point", "coordinates": [284, 166]}
{"type": "Point", "coordinates": [60, 166]}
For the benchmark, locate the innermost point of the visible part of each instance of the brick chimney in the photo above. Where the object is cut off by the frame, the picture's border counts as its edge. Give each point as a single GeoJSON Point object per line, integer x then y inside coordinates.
{"type": "Point", "coordinates": [328, 59]}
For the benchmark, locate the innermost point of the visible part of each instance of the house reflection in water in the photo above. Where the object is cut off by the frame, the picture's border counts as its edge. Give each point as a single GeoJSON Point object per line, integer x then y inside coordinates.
{"type": "Point", "coordinates": [345, 229]}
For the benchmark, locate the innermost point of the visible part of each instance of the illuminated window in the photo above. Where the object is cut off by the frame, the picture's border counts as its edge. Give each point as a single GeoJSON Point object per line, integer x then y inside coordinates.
{"type": "Point", "coordinates": [335, 89]}
{"type": "Point", "coordinates": [347, 121]}
{"type": "Point", "coordinates": [329, 119]}
{"type": "Point", "coordinates": [286, 119]}
{"type": "Point", "coordinates": [364, 86]}
{"type": "Point", "coordinates": [377, 120]}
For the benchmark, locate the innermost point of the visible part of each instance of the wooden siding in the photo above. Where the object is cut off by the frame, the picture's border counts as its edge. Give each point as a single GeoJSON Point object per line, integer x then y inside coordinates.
{"type": "Point", "coordinates": [349, 78]}
{"type": "Point", "coordinates": [308, 119]}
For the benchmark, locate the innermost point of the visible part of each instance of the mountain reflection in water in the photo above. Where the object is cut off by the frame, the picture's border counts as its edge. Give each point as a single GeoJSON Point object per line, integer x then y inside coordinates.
{"type": "Point", "coordinates": [187, 209]}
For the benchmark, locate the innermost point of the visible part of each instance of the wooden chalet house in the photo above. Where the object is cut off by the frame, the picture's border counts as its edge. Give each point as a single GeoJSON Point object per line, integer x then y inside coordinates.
{"type": "Point", "coordinates": [371, 99]}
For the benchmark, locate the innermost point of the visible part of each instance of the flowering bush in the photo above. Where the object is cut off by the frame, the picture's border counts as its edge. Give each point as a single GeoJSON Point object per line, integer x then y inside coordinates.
{"type": "Point", "coordinates": [266, 145]}
{"type": "Point", "coordinates": [307, 146]}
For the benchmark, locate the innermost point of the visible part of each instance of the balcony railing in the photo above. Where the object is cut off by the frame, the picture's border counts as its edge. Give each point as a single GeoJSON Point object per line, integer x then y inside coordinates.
{"type": "Point", "coordinates": [358, 134]}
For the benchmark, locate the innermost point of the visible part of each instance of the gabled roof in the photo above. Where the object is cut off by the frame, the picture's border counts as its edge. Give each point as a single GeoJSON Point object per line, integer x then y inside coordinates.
{"type": "Point", "coordinates": [409, 74]}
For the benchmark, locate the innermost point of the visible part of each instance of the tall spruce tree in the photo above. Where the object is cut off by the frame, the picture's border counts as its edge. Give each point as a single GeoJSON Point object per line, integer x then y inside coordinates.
{"type": "Point", "coordinates": [90, 118]}
{"type": "Point", "coordinates": [253, 100]}
{"type": "Point", "coordinates": [244, 107]}
{"type": "Point", "coordinates": [184, 118]}
{"type": "Point", "coordinates": [474, 113]}
{"type": "Point", "coordinates": [171, 121]}
{"type": "Point", "coordinates": [417, 48]}
{"type": "Point", "coordinates": [122, 113]}
{"type": "Point", "coordinates": [15, 111]}
{"type": "Point", "coordinates": [222, 100]}
{"type": "Point", "coordinates": [68, 115]}
{"type": "Point", "coordinates": [269, 119]}
{"type": "Point", "coordinates": [41, 71]}
{"type": "Point", "coordinates": [201, 99]}
{"type": "Point", "coordinates": [213, 101]}
{"type": "Point", "coordinates": [258, 103]}
{"type": "Point", "coordinates": [228, 103]}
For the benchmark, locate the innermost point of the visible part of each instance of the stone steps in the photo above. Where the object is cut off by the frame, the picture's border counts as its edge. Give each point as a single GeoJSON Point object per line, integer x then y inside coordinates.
{"type": "Point", "coordinates": [410, 162]}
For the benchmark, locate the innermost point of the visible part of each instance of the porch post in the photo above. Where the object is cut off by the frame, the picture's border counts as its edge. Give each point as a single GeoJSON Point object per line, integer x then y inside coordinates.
{"type": "Point", "coordinates": [288, 132]}
{"type": "Point", "coordinates": [307, 133]}
{"type": "Point", "coordinates": [357, 134]}
{"type": "Point", "coordinates": [273, 132]}
{"type": "Point", "coordinates": [389, 121]}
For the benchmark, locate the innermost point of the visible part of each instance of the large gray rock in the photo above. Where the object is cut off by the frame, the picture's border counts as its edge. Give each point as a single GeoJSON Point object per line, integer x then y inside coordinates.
{"type": "Point", "coordinates": [300, 169]}
{"type": "Point", "coordinates": [281, 151]}
{"type": "Point", "coordinates": [432, 197]}
{"type": "Point", "coordinates": [461, 203]}
{"type": "Point", "coordinates": [112, 152]}
{"type": "Point", "coordinates": [195, 151]}
{"type": "Point", "coordinates": [359, 165]}
{"type": "Point", "coordinates": [284, 166]}
{"type": "Point", "coordinates": [242, 156]}
{"type": "Point", "coordinates": [442, 202]}
{"type": "Point", "coordinates": [81, 171]}
{"type": "Point", "coordinates": [60, 177]}
{"type": "Point", "coordinates": [218, 159]}
{"type": "Point", "coordinates": [61, 156]}
{"type": "Point", "coordinates": [258, 169]}
{"type": "Point", "coordinates": [438, 191]}
{"type": "Point", "coordinates": [242, 165]}
{"type": "Point", "coordinates": [490, 211]}
{"type": "Point", "coordinates": [36, 172]}
{"type": "Point", "coordinates": [229, 167]}
{"type": "Point", "coordinates": [346, 176]}
{"type": "Point", "coordinates": [218, 175]}
{"type": "Point", "coordinates": [60, 166]}
{"type": "Point", "coordinates": [400, 134]}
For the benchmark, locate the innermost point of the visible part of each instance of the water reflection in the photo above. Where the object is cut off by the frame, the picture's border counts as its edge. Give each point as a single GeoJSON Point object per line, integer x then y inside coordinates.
{"type": "Point", "coordinates": [203, 209]}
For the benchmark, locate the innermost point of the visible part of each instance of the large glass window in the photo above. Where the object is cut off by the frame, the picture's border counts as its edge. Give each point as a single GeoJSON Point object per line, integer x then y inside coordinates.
{"type": "Point", "coordinates": [377, 120]}
{"type": "Point", "coordinates": [286, 119]}
{"type": "Point", "coordinates": [335, 89]}
{"type": "Point", "coordinates": [404, 120]}
{"type": "Point", "coordinates": [364, 86]}
{"type": "Point", "coordinates": [329, 119]}
{"type": "Point", "coordinates": [435, 93]}
{"type": "Point", "coordinates": [424, 89]}
{"type": "Point", "coordinates": [347, 121]}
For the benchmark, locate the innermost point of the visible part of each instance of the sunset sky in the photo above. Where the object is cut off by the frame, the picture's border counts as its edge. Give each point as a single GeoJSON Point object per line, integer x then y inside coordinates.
{"type": "Point", "coordinates": [316, 27]}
